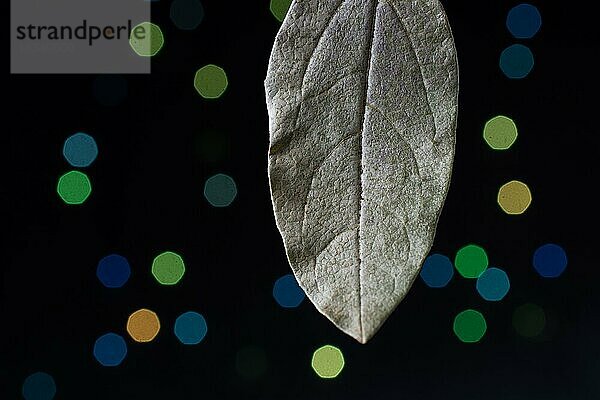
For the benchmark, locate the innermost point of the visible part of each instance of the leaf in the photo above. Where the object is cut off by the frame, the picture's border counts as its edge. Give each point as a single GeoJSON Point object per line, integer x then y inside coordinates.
{"type": "Point", "coordinates": [362, 102]}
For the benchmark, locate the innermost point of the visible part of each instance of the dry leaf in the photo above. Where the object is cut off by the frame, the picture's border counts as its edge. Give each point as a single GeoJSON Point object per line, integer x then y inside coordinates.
{"type": "Point", "coordinates": [362, 102]}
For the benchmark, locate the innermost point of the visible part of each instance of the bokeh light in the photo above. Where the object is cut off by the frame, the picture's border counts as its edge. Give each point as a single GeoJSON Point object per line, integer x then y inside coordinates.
{"type": "Point", "coordinates": [287, 292]}
{"type": "Point", "coordinates": [500, 132]}
{"type": "Point", "coordinates": [211, 81]}
{"type": "Point", "coordinates": [437, 271]}
{"type": "Point", "coordinates": [550, 260]}
{"type": "Point", "coordinates": [110, 90]}
{"type": "Point", "coordinates": [220, 190]}
{"type": "Point", "coordinates": [529, 320]}
{"type": "Point", "coordinates": [110, 350]}
{"type": "Point", "coordinates": [469, 326]}
{"type": "Point", "coordinates": [279, 8]}
{"type": "Point", "coordinates": [168, 268]}
{"type": "Point", "coordinates": [493, 284]}
{"type": "Point", "coordinates": [146, 39]}
{"type": "Point", "coordinates": [39, 386]}
{"type": "Point", "coordinates": [251, 363]}
{"type": "Point", "coordinates": [516, 61]}
{"type": "Point", "coordinates": [514, 197]}
{"type": "Point", "coordinates": [213, 145]}
{"type": "Point", "coordinates": [471, 261]}
{"type": "Point", "coordinates": [74, 187]}
{"type": "Point", "coordinates": [143, 325]}
{"type": "Point", "coordinates": [327, 361]}
{"type": "Point", "coordinates": [187, 14]}
{"type": "Point", "coordinates": [113, 271]}
{"type": "Point", "coordinates": [523, 21]}
{"type": "Point", "coordinates": [80, 150]}
{"type": "Point", "coordinates": [190, 328]}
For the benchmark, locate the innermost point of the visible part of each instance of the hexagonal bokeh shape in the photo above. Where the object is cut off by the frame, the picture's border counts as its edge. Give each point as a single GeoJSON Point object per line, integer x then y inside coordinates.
{"type": "Point", "coordinates": [146, 39]}
{"type": "Point", "coordinates": [550, 260]}
{"type": "Point", "coordinates": [516, 61]}
{"type": "Point", "coordinates": [469, 326]}
{"type": "Point", "coordinates": [529, 320]}
{"type": "Point", "coordinates": [493, 284]}
{"type": "Point", "coordinates": [113, 271]}
{"type": "Point", "coordinates": [514, 197]}
{"type": "Point", "coordinates": [471, 260]}
{"type": "Point", "coordinates": [327, 362]}
{"type": "Point", "coordinates": [437, 271]}
{"type": "Point", "coordinates": [39, 386]}
{"type": "Point", "coordinates": [110, 349]}
{"type": "Point", "coordinates": [80, 150]}
{"type": "Point", "coordinates": [168, 268]}
{"type": "Point", "coordinates": [287, 293]}
{"type": "Point", "coordinates": [211, 81]}
{"type": "Point", "coordinates": [523, 21]}
{"type": "Point", "coordinates": [186, 14]}
{"type": "Point", "coordinates": [74, 187]}
{"type": "Point", "coordinates": [190, 328]}
{"type": "Point", "coordinates": [500, 132]}
{"type": "Point", "coordinates": [220, 190]}
{"type": "Point", "coordinates": [143, 325]}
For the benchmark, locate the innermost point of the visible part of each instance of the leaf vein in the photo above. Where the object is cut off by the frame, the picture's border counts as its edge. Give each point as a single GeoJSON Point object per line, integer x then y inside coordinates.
{"type": "Point", "coordinates": [414, 51]}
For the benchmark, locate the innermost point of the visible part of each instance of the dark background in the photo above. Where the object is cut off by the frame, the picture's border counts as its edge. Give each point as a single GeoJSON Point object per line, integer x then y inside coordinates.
{"type": "Point", "coordinates": [147, 198]}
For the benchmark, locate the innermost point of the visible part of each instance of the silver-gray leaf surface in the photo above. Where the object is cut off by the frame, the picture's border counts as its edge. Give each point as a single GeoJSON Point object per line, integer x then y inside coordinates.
{"type": "Point", "coordinates": [362, 102]}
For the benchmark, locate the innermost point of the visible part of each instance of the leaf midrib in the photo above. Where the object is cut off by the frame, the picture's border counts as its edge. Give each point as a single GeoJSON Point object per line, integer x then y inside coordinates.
{"type": "Point", "coordinates": [365, 91]}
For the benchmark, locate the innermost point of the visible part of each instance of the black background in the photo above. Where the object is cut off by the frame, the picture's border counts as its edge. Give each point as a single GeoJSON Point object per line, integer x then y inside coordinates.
{"type": "Point", "coordinates": [147, 198]}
